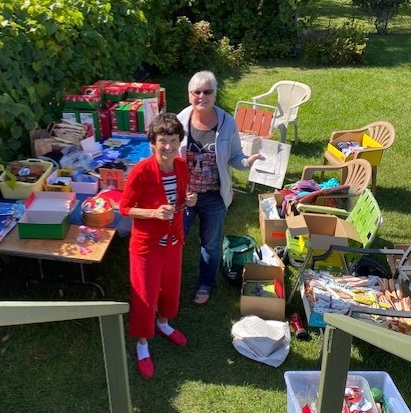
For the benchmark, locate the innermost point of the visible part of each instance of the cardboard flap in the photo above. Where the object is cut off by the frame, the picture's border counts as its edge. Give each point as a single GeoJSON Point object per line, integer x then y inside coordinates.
{"type": "Point", "coordinates": [348, 230]}
{"type": "Point", "coordinates": [297, 225]}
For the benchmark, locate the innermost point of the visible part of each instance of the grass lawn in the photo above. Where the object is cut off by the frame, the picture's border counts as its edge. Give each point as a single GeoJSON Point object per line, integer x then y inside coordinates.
{"type": "Point", "coordinates": [58, 367]}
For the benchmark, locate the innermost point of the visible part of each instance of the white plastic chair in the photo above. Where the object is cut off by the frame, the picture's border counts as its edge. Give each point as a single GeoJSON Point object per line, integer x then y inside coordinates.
{"type": "Point", "coordinates": [290, 96]}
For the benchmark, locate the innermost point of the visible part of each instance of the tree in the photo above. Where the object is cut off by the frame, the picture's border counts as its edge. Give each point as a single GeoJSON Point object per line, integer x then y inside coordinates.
{"type": "Point", "coordinates": [381, 11]}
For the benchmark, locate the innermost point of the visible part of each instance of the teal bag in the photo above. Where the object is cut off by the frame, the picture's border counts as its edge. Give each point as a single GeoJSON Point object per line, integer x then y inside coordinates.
{"type": "Point", "coordinates": [237, 251]}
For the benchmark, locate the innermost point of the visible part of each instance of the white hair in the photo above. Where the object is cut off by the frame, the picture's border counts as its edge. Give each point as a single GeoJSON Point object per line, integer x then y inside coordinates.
{"type": "Point", "coordinates": [200, 78]}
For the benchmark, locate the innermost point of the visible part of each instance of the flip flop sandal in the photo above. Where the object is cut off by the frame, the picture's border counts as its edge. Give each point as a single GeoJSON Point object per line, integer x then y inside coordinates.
{"type": "Point", "coordinates": [202, 296]}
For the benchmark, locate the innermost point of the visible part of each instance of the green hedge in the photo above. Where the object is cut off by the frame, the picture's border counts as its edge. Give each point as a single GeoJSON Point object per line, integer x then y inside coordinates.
{"type": "Point", "coordinates": [47, 47]}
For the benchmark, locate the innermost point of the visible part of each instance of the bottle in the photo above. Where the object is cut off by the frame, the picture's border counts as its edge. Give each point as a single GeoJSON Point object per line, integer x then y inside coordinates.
{"type": "Point", "coordinates": [298, 327]}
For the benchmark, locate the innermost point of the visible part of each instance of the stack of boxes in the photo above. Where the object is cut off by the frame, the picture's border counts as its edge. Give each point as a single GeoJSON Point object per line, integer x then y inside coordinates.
{"type": "Point", "coordinates": [115, 108]}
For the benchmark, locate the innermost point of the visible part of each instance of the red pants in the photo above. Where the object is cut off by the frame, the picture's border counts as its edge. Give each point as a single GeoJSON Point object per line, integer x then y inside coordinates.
{"type": "Point", "coordinates": [155, 286]}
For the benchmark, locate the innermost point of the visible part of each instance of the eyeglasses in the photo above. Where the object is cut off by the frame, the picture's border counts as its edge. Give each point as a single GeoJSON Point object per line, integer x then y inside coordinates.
{"type": "Point", "coordinates": [204, 92]}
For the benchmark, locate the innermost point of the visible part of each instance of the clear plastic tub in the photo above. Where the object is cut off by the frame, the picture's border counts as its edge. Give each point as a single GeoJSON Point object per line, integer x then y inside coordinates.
{"type": "Point", "coordinates": [383, 381]}
{"type": "Point", "coordinates": [302, 388]}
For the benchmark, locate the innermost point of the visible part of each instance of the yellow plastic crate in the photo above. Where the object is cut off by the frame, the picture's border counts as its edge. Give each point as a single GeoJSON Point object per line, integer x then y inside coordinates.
{"type": "Point", "coordinates": [21, 190]}
{"type": "Point", "coordinates": [373, 157]}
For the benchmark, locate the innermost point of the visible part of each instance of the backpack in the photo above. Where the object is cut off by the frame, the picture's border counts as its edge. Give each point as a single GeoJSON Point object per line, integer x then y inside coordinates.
{"type": "Point", "coordinates": [237, 251]}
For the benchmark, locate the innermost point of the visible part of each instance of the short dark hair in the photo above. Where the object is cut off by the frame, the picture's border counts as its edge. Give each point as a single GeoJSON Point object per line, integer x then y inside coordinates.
{"type": "Point", "coordinates": [165, 124]}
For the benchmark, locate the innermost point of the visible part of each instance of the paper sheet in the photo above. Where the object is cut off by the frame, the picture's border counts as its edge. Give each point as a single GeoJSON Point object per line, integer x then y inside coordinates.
{"type": "Point", "coordinates": [271, 171]}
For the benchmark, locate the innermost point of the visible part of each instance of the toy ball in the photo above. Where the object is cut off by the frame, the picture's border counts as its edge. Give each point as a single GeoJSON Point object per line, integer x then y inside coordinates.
{"type": "Point", "coordinates": [377, 394]}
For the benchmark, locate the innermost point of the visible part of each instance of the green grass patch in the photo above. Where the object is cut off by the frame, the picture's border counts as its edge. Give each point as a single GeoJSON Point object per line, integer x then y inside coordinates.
{"type": "Point", "coordinates": [58, 367]}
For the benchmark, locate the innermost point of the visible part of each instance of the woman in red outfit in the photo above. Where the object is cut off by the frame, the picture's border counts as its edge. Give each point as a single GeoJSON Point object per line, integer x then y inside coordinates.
{"type": "Point", "coordinates": [155, 197]}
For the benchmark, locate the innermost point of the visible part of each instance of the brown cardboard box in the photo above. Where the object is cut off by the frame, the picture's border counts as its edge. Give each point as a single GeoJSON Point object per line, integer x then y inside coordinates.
{"type": "Point", "coordinates": [272, 230]}
{"type": "Point", "coordinates": [322, 230]}
{"type": "Point", "coordinates": [264, 307]}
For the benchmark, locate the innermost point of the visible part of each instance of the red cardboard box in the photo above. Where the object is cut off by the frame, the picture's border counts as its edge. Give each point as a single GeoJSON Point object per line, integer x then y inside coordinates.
{"type": "Point", "coordinates": [91, 100]}
{"type": "Point", "coordinates": [104, 122]}
{"type": "Point", "coordinates": [143, 90]}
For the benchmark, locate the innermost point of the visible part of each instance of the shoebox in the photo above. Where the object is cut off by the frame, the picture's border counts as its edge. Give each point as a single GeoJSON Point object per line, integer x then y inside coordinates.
{"type": "Point", "coordinates": [115, 91]}
{"type": "Point", "coordinates": [47, 215]}
{"type": "Point", "coordinates": [313, 319]}
{"type": "Point", "coordinates": [143, 90]}
{"type": "Point", "coordinates": [90, 99]}
{"type": "Point", "coordinates": [272, 230]}
{"type": "Point", "coordinates": [67, 180]}
{"type": "Point", "coordinates": [263, 303]}
{"type": "Point", "coordinates": [370, 151]}
{"type": "Point", "coordinates": [319, 231]}
{"type": "Point", "coordinates": [302, 389]}
{"type": "Point", "coordinates": [91, 119]}
{"type": "Point", "coordinates": [71, 114]}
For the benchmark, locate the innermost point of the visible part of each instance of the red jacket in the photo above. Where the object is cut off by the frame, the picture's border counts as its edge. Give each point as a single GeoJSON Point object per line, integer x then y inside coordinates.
{"type": "Point", "coordinates": [144, 189]}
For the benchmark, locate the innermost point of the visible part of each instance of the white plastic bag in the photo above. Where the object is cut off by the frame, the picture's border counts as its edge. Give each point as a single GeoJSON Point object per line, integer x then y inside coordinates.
{"type": "Point", "coordinates": [277, 357]}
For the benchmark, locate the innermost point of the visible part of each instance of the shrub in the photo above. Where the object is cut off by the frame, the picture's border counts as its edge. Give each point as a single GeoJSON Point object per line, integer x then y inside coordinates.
{"type": "Point", "coordinates": [340, 45]}
{"type": "Point", "coordinates": [48, 46]}
{"type": "Point", "coordinates": [188, 47]}
{"type": "Point", "coordinates": [381, 11]}
{"type": "Point", "coordinates": [264, 29]}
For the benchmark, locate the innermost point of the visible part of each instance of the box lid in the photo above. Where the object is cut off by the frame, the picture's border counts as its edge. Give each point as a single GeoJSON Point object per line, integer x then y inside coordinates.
{"type": "Point", "coordinates": [51, 201]}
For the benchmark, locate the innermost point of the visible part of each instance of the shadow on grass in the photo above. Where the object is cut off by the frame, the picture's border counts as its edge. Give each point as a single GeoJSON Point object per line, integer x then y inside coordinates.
{"type": "Point", "coordinates": [397, 199]}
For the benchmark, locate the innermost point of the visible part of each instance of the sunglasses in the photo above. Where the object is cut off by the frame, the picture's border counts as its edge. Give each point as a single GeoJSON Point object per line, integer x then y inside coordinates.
{"type": "Point", "coordinates": [204, 92]}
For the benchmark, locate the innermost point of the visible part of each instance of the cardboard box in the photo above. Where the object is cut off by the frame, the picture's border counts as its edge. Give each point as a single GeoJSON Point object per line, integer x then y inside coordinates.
{"type": "Point", "coordinates": [91, 119]}
{"type": "Point", "coordinates": [47, 215]}
{"type": "Point", "coordinates": [91, 99]}
{"type": "Point", "coordinates": [104, 122]}
{"type": "Point", "coordinates": [264, 307]}
{"type": "Point", "coordinates": [272, 230]}
{"type": "Point", "coordinates": [323, 230]}
{"type": "Point", "coordinates": [313, 319]}
{"type": "Point", "coordinates": [115, 92]}
{"type": "Point", "coordinates": [143, 90]}
{"type": "Point", "coordinates": [71, 114]}
{"type": "Point", "coordinates": [372, 156]}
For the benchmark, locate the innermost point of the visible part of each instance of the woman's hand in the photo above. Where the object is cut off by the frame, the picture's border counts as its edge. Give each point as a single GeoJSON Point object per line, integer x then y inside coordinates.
{"type": "Point", "coordinates": [191, 198]}
{"type": "Point", "coordinates": [165, 212]}
{"type": "Point", "coordinates": [251, 159]}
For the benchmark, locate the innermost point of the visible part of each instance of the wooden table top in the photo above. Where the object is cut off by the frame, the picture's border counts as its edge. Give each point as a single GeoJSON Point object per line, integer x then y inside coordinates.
{"type": "Point", "coordinates": [66, 249]}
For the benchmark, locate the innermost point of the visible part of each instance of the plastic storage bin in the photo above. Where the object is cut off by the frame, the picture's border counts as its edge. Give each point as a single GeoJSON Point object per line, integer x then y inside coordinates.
{"type": "Point", "coordinates": [22, 189]}
{"type": "Point", "coordinates": [383, 381]}
{"type": "Point", "coordinates": [302, 388]}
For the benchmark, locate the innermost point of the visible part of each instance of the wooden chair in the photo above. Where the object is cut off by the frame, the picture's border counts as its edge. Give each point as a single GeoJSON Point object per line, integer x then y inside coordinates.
{"type": "Point", "coordinates": [382, 132]}
{"type": "Point", "coordinates": [290, 96]}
